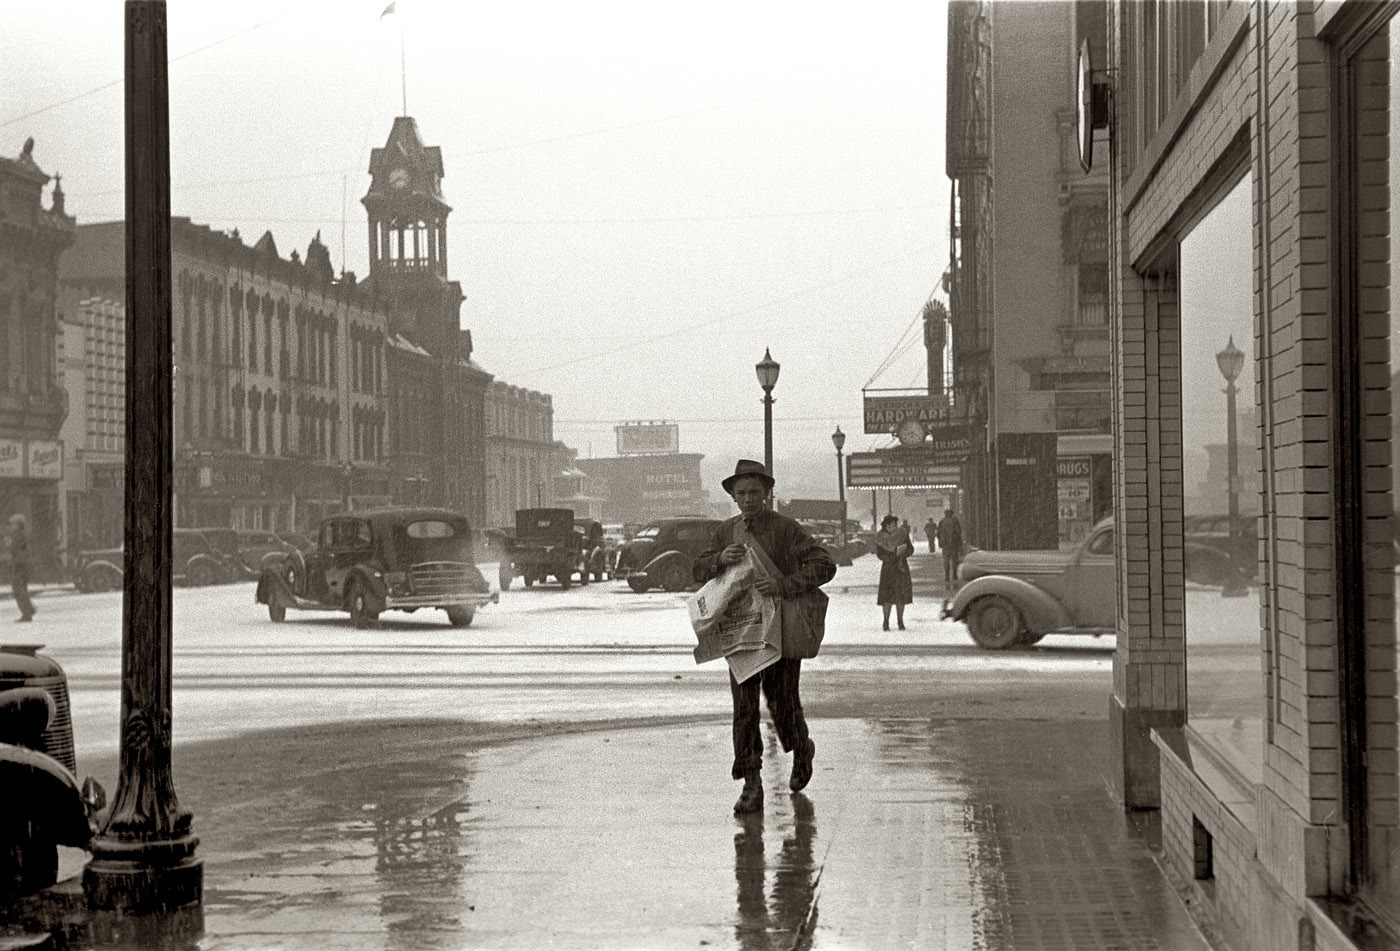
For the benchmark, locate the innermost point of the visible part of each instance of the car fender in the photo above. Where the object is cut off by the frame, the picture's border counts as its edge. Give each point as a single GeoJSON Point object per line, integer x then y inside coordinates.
{"type": "Point", "coordinates": [215, 565]}
{"type": "Point", "coordinates": [1039, 610]}
{"type": "Point", "coordinates": [665, 560]}
{"type": "Point", "coordinates": [271, 581]}
{"type": "Point", "coordinates": [39, 787]}
{"type": "Point", "coordinates": [104, 563]}
{"type": "Point", "coordinates": [376, 589]}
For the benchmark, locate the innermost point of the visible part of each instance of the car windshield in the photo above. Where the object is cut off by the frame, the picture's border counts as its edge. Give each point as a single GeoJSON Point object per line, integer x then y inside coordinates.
{"type": "Point", "coordinates": [651, 531]}
{"type": "Point", "coordinates": [224, 541]}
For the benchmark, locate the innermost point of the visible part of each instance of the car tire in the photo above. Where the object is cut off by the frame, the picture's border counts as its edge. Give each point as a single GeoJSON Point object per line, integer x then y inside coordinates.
{"type": "Point", "coordinates": [276, 610]}
{"type": "Point", "coordinates": [583, 573]}
{"type": "Point", "coordinates": [461, 615]}
{"type": "Point", "coordinates": [505, 575]}
{"type": "Point", "coordinates": [101, 579]}
{"type": "Point", "coordinates": [565, 579]}
{"type": "Point", "coordinates": [1030, 639]}
{"type": "Point", "coordinates": [638, 585]}
{"type": "Point", "coordinates": [529, 580]}
{"type": "Point", "coordinates": [360, 614]}
{"type": "Point", "coordinates": [675, 579]}
{"type": "Point", "coordinates": [995, 623]}
{"type": "Point", "coordinates": [199, 575]}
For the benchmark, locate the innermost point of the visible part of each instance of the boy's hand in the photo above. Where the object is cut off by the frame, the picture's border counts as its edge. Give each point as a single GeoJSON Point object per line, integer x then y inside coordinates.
{"type": "Point", "coordinates": [768, 586]}
{"type": "Point", "coordinates": [732, 555]}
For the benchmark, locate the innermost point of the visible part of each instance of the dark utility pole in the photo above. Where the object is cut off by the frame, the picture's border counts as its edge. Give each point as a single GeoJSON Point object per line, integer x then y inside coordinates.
{"type": "Point", "coordinates": [143, 858]}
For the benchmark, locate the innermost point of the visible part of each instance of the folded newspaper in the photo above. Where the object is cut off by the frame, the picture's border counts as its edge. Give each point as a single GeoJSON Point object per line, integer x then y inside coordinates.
{"type": "Point", "coordinates": [734, 620]}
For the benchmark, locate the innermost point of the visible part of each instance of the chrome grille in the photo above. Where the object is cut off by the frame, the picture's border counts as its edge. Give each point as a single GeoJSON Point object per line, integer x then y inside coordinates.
{"type": "Point", "coordinates": [443, 579]}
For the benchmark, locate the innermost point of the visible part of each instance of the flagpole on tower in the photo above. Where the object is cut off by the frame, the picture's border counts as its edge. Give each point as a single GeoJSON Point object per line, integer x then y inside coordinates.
{"type": "Point", "coordinates": [403, 67]}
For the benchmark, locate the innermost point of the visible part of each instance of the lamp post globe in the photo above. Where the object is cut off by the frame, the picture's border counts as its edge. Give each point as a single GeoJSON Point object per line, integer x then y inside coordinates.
{"type": "Point", "coordinates": [838, 439]}
{"type": "Point", "coordinates": [767, 370]}
{"type": "Point", "coordinates": [1231, 361]}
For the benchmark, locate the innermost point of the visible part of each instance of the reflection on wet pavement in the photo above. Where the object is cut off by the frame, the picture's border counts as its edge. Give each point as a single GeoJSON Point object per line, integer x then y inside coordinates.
{"type": "Point", "coordinates": [969, 834]}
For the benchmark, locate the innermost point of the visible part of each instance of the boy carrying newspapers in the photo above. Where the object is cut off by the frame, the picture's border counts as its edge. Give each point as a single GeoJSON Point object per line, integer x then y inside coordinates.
{"type": "Point", "coordinates": [762, 575]}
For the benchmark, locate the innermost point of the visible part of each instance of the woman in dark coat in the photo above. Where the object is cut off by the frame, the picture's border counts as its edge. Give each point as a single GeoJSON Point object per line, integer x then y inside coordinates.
{"type": "Point", "coordinates": [893, 548]}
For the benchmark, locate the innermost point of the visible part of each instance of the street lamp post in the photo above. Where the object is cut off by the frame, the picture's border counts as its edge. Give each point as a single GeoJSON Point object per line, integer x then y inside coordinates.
{"type": "Point", "coordinates": [838, 439]}
{"type": "Point", "coordinates": [1231, 362]}
{"type": "Point", "coordinates": [767, 370]}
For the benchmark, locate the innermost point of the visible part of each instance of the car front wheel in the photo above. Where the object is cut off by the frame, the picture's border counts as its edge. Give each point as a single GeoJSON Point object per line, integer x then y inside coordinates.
{"type": "Point", "coordinates": [276, 610]}
{"type": "Point", "coordinates": [360, 614]}
{"type": "Point", "coordinates": [505, 576]}
{"type": "Point", "coordinates": [995, 623]}
{"type": "Point", "coordinates": [676, 579]}
{"type": "Point", "coordinates": [199, 575]}
{"type": "Point", "coordinates": [460, 615]}
{"type": "Point", "coordinates": [638, 585]}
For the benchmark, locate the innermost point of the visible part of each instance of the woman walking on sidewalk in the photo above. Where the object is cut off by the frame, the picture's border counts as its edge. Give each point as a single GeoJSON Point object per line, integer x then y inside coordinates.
{"type": "Point", "coordinates": [20, 566]}
{"type": "Point", "coordinates": [893, 548]}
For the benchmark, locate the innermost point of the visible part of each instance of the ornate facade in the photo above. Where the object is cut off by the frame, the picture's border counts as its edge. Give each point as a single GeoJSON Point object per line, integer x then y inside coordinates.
{"type": "Point", "coordinates": [441, 456]}
{"type": "Point", "coordinates": [1028, 276]}
{"type": "Point", "coordinates": [33, 402]}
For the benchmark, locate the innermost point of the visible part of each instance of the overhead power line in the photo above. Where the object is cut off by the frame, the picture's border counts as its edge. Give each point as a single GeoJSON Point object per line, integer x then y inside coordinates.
{"type": "Point", "coordinates": [732, 315]}
{"type": "Point", "coordinates": [117, 82]}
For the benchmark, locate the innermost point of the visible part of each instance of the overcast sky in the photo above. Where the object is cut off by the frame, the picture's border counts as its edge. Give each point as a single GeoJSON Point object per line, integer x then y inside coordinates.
{"type": "Point", "coordinates": [645, 194]}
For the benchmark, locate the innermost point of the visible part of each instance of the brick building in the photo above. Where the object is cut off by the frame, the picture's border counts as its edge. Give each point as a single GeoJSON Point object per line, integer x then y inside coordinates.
{"type": "Point", "coordinates": [281, 395]}
{"type": "Point", "coordinates": [1255, 150]}
{"type": "Point", "coordinates": [522, 458]}
{"type": "Point", "coordinates": [33, 403]}
{"type": "Point", "coordinates": [1028, 279]}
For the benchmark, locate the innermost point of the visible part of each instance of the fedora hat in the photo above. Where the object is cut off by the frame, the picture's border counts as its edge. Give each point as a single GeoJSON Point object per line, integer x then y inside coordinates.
{"type": "Point", "coordinates": [747, 467]}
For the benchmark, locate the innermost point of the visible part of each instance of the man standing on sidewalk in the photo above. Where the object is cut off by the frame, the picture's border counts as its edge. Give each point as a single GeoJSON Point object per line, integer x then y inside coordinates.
{"type": "Point", "coordinates": [20, 566]}
{"type": "Point", "coordinates": [802, 564]}
{"type": "Point", "coordinates": [931, 533]}
{"type": "Point", "coordinates": [950, 539]}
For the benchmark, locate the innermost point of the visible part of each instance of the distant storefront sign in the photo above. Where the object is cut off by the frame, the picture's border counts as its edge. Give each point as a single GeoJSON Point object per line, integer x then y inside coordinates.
{"type": "Point", "coordinates": [11, 459]}
{"type": "Point", "coordinates": [896, 468]}
{"type": "Point", "coordinates": [639, 439]}
{"type": "Point", "coordinates": [31, 459]}
{"type": "Point", "coordinates": [884, 414]}
{"type": "Point", "coordinates": [106, 477]}
{"type": "Point", "coordinates": [45, 459]}
{"type": "Point", "coordinates": [1074, 487]}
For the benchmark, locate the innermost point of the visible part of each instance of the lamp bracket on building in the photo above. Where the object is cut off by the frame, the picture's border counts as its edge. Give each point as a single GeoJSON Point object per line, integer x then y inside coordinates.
{"type": "Point", "coordinates": [1091, 105]}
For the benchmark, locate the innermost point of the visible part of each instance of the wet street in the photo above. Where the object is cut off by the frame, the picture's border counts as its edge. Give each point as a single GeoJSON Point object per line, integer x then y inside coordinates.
{"type": "Point", "coordinates": [558, 775]}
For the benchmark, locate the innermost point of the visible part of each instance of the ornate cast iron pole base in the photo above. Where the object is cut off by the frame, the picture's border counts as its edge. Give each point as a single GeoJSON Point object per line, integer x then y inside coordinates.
{"type": "Point", "coordinates": [143, 862]}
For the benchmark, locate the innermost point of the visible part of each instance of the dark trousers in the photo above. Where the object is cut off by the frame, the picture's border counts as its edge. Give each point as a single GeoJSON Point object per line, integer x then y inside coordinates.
{"type": "Point", "coordinates": [951, 557]}
{"type": "Point", "coordinates": [779, 683]}
{"type": "Point", "coordinates": [19, 586]}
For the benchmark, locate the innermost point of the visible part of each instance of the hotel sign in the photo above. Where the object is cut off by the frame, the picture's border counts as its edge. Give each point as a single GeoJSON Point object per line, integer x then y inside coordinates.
{"type": "Point", "coordinates": [884, 414]}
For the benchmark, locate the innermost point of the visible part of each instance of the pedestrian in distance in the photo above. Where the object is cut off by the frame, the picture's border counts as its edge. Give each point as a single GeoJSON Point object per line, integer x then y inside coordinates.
{"type": "Point", "coordinates": [802, 564]}
{"type": "Point", "coordinates": [950, 540]}
{"type": "Point", "coordinates": [20, 566]}
{"type": "Point", "coordinates": [893, 547]}
{"type": "Point", "coordinates": [931, 533]}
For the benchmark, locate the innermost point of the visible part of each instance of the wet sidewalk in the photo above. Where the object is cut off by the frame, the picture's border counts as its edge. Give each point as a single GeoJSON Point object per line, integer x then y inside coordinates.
{"type": "Point", "coordinates": [966, 834]}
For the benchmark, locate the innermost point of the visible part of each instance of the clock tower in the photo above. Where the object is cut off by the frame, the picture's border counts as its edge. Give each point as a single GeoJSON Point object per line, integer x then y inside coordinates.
{"type": "Point", "coordinates": [408, 240]}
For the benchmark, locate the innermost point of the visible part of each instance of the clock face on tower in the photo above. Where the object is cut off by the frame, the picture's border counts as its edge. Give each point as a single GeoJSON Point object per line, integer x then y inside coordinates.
{"type": "Point", "coordinates": [398, 178]}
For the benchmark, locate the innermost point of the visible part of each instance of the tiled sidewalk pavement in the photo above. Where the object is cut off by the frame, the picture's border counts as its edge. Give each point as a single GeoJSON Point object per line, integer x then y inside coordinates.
{"type": "Point", "coordinates": [966, 834]}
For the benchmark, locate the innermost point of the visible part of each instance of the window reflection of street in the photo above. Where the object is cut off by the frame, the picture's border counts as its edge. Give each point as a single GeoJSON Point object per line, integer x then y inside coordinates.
{"type": "Point", "coordinates": [786, 918]}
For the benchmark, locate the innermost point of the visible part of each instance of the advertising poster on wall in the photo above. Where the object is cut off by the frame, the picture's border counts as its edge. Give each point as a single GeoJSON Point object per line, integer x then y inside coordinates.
{"type": "Point", "coordinates": [643, 439]}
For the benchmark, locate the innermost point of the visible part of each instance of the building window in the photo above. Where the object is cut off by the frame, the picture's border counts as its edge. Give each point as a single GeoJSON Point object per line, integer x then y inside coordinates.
{"type": "Point", "coordinates": [1221, 484]}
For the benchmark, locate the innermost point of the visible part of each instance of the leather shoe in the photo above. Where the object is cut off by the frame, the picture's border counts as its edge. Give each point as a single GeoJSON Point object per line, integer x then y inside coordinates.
{"type": "Point", "coordinates": [802, 766]}
{"type": "Point", "coordinates": [751, 799]}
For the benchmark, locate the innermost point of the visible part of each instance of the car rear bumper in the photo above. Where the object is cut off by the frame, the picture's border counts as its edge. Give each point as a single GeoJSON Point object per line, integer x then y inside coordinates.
{"type": "Point", "coordinates": [474, 598]}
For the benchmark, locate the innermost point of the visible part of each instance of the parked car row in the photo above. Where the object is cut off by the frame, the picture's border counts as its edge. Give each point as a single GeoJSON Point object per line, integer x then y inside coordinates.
{"type": "Point", "coordinates": [201, 556]}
